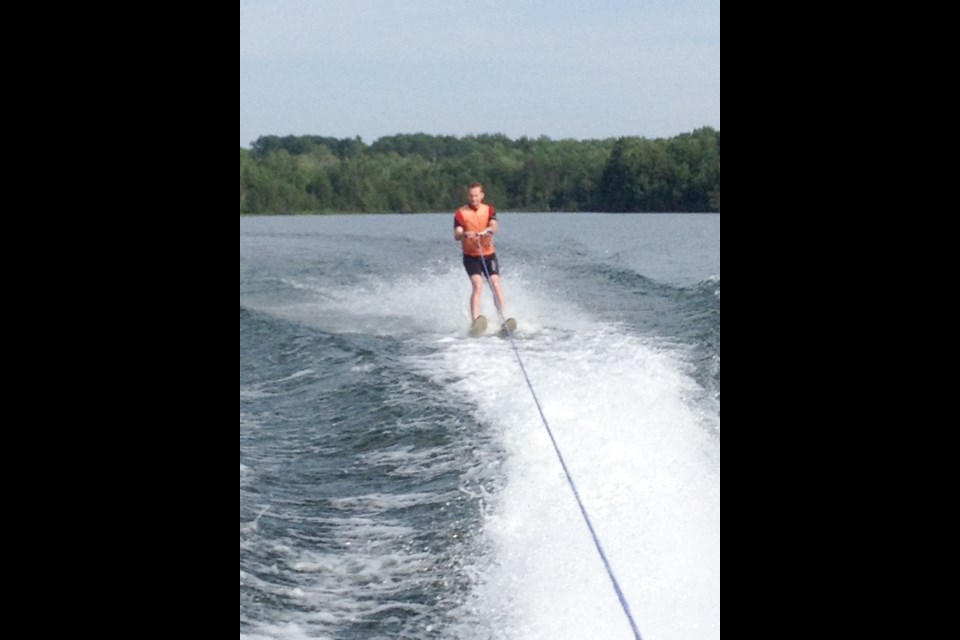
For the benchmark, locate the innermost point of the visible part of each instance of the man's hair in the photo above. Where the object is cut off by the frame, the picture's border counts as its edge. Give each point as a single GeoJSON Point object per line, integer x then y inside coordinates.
{"type": "Point", "coordinates": [476, 185]}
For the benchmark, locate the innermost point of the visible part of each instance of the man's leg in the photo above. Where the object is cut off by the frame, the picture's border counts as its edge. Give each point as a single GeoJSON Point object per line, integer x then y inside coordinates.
{"type": "Point", "coordinates": [495, 283]}
{"type": "Point", "coordinates": [475, 297]}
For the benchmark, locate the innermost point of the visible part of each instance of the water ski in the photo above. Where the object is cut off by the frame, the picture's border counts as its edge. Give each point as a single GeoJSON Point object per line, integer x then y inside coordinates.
{"type": "Point", "coordinates": [510, 324]}
{"type": "Point", "coordinates": [479, 326]}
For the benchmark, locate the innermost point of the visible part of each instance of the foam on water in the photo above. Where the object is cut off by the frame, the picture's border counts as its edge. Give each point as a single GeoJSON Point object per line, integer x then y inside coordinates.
{"type": "Point", "coordinates": [433, 301]}
{"type": "Point", "coordinates": [647, 469]}
{"type": "Point", "coordinates": [645, 459]}
{"type": "Point", "coordinates": [623, 408]}
{"type": "Point", "coordinates": [364, 570]}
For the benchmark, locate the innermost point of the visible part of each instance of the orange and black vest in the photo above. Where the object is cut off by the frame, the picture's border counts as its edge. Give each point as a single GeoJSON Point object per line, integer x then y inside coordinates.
{"type": "Point", "coordinates": [476, 221]}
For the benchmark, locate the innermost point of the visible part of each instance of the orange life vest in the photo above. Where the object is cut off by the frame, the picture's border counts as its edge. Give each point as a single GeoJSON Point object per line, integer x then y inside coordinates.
{"type": "Point", "coordinates": [476, 221]}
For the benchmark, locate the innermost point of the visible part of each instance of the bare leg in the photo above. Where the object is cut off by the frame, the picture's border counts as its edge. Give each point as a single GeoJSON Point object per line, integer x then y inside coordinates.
{"type": "Point", "coordinates": [495, 283]}
{"type": "Point", "coordinates": [475, 297]}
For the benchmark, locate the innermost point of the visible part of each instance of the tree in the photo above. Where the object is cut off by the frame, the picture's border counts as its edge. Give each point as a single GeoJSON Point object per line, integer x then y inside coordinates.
{"type": "Point", "coordinates": [420, 172]}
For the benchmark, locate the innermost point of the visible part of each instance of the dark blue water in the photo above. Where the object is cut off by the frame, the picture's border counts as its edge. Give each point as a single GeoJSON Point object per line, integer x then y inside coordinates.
{"type": "Point", "coordinates": [396, 479]}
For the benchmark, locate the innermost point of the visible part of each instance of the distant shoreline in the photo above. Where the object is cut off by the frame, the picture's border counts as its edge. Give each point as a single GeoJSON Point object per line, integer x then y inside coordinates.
{"type": "Point", "coordinates": [319, 175]}
{"type": "Point", "coordinates": [308, 214]}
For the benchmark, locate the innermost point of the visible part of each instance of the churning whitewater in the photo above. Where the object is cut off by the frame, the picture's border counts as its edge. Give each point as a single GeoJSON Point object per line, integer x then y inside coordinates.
{"type": "Point", "coordinates": [396, 478]}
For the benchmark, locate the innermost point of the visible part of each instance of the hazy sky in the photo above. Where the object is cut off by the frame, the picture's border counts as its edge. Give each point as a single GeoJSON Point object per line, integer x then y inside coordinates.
{"type": "Point", "coordinates": [561, 68]}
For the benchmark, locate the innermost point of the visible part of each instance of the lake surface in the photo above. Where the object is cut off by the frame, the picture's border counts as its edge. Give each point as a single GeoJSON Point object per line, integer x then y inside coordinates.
{"type": "Point", "coordinates": [396, 477]}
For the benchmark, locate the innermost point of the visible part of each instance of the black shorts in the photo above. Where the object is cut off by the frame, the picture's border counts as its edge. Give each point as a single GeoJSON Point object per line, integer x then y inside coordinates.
{"type": "Point", "coordinates": [474, 265]}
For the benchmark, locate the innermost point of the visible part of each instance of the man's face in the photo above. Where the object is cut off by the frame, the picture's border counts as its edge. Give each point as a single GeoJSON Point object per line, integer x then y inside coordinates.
{"type": "Point", "coordinates": [476, 197]}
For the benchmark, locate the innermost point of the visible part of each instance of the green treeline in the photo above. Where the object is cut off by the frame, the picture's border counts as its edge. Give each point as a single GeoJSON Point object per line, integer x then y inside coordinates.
{"type": "Point", "coordinates": [424, 173]}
